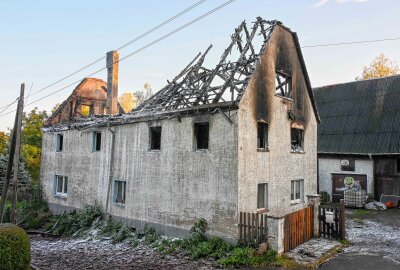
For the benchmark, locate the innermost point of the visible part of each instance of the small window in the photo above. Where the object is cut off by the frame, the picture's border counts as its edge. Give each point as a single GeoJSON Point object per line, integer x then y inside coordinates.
{"type": "Point", "coordinates": [60, 142]}
{"type": "Point", "coordinates": [155, 138]}
{"type": "Point", "coordinates": [297, 139]}
{"type": "Point", "coordinates": [86, 110]}
{"type": "Point", "coordinates": [262, 135]}
{"type": "Point", "coordinates": [297, 190]}
{"type": "Point", "coordinates": [201, 134]}
{"type": "Point", "coordinates": [398, 165]}
{"type": "Point", "coordinates": [96, 141]}
{"type": "Point", "coordinates": [283, 84]}
{"type": "Point", "coordinates": [262, 195]}
{"type": "Point", "coordinates": [119, 192]}
{"type": "Point", "coordinates": [60, 185]}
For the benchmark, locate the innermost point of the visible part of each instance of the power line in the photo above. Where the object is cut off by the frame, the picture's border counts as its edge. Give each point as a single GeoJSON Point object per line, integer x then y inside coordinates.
{"type": "Point", "coordinates": [350, 42]}
{"type": "Point", "coordinates": [137, 51]}
{"type": "Point", "coordinates": [124, 45]}
{"type": "Point", "coordinates": [8, 106]}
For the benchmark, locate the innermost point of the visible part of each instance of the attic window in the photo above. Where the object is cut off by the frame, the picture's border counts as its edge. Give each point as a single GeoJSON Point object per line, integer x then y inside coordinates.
{"type": "Point", "coordinates": [155, 138]}
{"type": "Point", "coordinates": [283, 84]}
{"type": "Point", "coordinates": [201, 135]}
{"type": "Point", "coordinates": [297, 139]}
{"type": "Point", "coordinates": [86, 110]}
{"type": "Point", "coordinates": [262, 135]}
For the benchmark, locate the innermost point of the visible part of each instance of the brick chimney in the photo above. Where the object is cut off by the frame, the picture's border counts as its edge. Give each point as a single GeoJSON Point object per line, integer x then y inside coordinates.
{"type": "Point", "coordinates": [112, 82]}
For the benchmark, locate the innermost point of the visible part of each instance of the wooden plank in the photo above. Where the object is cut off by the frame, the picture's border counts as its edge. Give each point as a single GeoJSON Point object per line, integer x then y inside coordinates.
{"type": "Point", "coordinates": [240, 228]}
{"type": "Point", "coordinates": [248, 228]}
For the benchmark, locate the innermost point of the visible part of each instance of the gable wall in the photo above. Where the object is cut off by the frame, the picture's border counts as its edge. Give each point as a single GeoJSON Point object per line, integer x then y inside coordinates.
{"type": "Point", "coordinates": [278, 166]}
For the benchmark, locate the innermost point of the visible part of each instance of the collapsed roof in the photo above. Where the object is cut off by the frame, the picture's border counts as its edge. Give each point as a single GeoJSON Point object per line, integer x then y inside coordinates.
{"type": "Point", "coordinates": [197, 85]}
{"type": "Point", "coordinates": [361, 117]}
{"type": "Point", "coordinates": [198, 89]}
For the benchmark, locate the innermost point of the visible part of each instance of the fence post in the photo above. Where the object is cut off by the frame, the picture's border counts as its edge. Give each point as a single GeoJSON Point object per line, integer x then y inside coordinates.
{"type": "Point", "coordinates": [342, 222]}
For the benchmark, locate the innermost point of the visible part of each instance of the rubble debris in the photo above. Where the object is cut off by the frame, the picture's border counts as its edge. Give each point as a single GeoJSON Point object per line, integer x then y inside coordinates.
{"type": "Point", "coordinates": [375, 206]}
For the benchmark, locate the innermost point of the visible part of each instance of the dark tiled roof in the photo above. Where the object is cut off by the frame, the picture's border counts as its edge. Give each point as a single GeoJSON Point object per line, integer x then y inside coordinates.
{"type": "Point", "coordinates": [361, 117]}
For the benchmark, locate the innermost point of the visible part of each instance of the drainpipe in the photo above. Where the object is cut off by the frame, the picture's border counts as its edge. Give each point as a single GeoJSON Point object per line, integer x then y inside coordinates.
{"type": "Point", "coordinates": [111, 169]}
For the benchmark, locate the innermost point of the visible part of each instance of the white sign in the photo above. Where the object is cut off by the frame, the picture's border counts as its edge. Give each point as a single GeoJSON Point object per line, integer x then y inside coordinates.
{"type": "Point", "coordinates": [344, 162]}
{"type": "Point", "coordinates": [328, 217]}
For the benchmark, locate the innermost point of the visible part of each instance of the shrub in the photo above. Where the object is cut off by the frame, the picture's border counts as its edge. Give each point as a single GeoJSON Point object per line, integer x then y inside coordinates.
{"type": "Point", "coordinates": [14, 248]}
{"type": "Point", "coordinates": [247, 256]}
{"type": "Point", "coordinates": [325, 198]}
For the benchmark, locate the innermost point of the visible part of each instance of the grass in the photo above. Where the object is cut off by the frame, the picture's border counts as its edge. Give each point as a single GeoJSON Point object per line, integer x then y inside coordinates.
{"type": "Point", "coordinates": [359, 214]}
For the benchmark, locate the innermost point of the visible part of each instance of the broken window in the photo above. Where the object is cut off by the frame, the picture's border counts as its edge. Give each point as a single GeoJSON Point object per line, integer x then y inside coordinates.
{"type": "Point", "coordinates": [297, 139]}
{"type": "Point", "coordinates": [60, 142]}
{"type": "Point", "coordinates": [155, 138]}
{"type": "Point", "coordinates": [201, 134]}
{"type": "Point", "coordinates": [96, 141]}
{"type": "Point", "coordinates": [262, 195]}
{"type": "Point", "coordinates": [262, 135]}
{"type": "Point", "coordinates": [60, 185]}
{"type": "Point", "coordinates": [119, 191]}
{"type": "Point", "coordinates": [86, 110]}
{"type": "Point", "coordinates": [283, 84]}
{"type": "Point", "coordinates": [297, 190]}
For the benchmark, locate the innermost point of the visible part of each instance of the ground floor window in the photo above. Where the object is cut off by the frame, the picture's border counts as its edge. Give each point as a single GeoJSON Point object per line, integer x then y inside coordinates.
{"type": "Point", "coordinates": [61, 185]}
{"type": "Point", "coordinates": [262, 195]}
{"type": "Point", "coordinates": [119, 191]}
{"type": "Point", "coordinates": [297, 190]}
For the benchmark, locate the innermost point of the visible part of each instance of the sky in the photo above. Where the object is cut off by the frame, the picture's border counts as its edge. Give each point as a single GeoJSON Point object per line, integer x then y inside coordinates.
{"type": "Point", "coordinates": [42, 41]}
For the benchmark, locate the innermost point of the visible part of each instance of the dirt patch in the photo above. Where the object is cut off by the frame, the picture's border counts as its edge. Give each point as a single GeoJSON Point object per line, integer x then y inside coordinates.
{"type": "Point", "coordinates": [49, 253]}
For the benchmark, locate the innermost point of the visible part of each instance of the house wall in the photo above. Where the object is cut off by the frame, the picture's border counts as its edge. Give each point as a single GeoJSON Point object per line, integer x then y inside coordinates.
{"type": "Point", "coordinates": [329, 165]}
{"type": "Point", "coordinates": [279, 165]}
{"type": "Point", "coordinates": [168, 189]}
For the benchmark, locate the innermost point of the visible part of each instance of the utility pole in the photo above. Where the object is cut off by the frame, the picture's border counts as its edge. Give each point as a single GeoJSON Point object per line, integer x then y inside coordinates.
{"type": "Point", "coordinates": [11, 154]}
{"type": "Point", "coordinates": [17, 153]}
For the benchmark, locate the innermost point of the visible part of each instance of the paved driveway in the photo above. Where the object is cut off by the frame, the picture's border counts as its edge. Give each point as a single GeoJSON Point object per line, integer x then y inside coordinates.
{"type": "Point", "coordinates": [375, 239]}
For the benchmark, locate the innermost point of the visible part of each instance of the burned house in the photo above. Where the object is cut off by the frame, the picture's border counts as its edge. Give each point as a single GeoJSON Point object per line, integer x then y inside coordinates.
{"type": "Point", "coordinates": [359, 136]}
{"type": "Point", "coordinates": [239, 137]}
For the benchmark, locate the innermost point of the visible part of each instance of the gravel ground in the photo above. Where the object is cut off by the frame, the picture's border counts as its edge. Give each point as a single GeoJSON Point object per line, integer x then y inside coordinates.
{"type": "Point", "coordinates": [375, 243]}
{"type": "Point", "coordinates": [50, 253]}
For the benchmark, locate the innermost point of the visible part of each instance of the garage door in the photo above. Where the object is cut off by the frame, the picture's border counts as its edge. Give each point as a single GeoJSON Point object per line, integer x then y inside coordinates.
{"type": "Point", "coordinates": [338, 185]}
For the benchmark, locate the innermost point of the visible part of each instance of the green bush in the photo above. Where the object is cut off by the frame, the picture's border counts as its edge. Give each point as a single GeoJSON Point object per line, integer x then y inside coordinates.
{"type": "Point", "coordinates": [14, 248]}
{"type": "Point", "coordinates": [247, 256]}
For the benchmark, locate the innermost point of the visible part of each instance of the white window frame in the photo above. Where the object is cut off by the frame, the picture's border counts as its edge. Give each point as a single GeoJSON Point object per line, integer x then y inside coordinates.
{"type": "Point", "coordinates": [64, 185]}
{"type": "Point", "coordinates": [58, 142]}
{"type": "Point", "coordinates": [297, 189]}
{"type": "Point", "coordinates": [115, 194]}
{"type": "Point", "coordinates": [266, 193]}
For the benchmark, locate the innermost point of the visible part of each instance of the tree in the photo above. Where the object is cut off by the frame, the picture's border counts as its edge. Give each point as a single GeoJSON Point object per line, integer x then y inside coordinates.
{"type": "Point", "coordinates": [31, 140]}
{"type": "Point", "coordinates": [128, 101]}
{"type": "Point", "coordinates": [3, 142]}
{"type": "Point", "coordinates": [381, 66]}
{"type": "Point", "coordinates": [144, 94]}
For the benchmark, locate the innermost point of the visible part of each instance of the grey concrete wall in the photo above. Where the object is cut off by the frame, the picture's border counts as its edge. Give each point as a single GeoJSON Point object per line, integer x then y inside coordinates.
{"type": "Point", "coordinates": [172, 187]}
{"type": "Point", "coordinates": [279, 165]}
{"type": "Point", "coordinates": [330, 165]}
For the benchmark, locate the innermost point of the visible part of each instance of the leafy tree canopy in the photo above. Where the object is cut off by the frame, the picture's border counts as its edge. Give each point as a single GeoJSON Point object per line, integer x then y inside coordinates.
{"type": "Point", "coordinates": [381, 66]}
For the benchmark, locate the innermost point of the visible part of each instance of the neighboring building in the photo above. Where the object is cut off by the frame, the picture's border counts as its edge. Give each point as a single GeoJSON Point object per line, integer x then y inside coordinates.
{"type": "Point", "coordinates": [89, 98]}
{"type": "Point", "coordinates": [210, 144]}
{"type": "Point", "coordinates": [360, 136]}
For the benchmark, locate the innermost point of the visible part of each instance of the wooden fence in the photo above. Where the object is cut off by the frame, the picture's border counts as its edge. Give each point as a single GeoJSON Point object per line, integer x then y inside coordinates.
{"type": "Point", "coordinates": [253, 229]}
{"type": "Point", "coordinates": [298, 228]}
{"type": "Point", "coordinates": [332, 221]}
